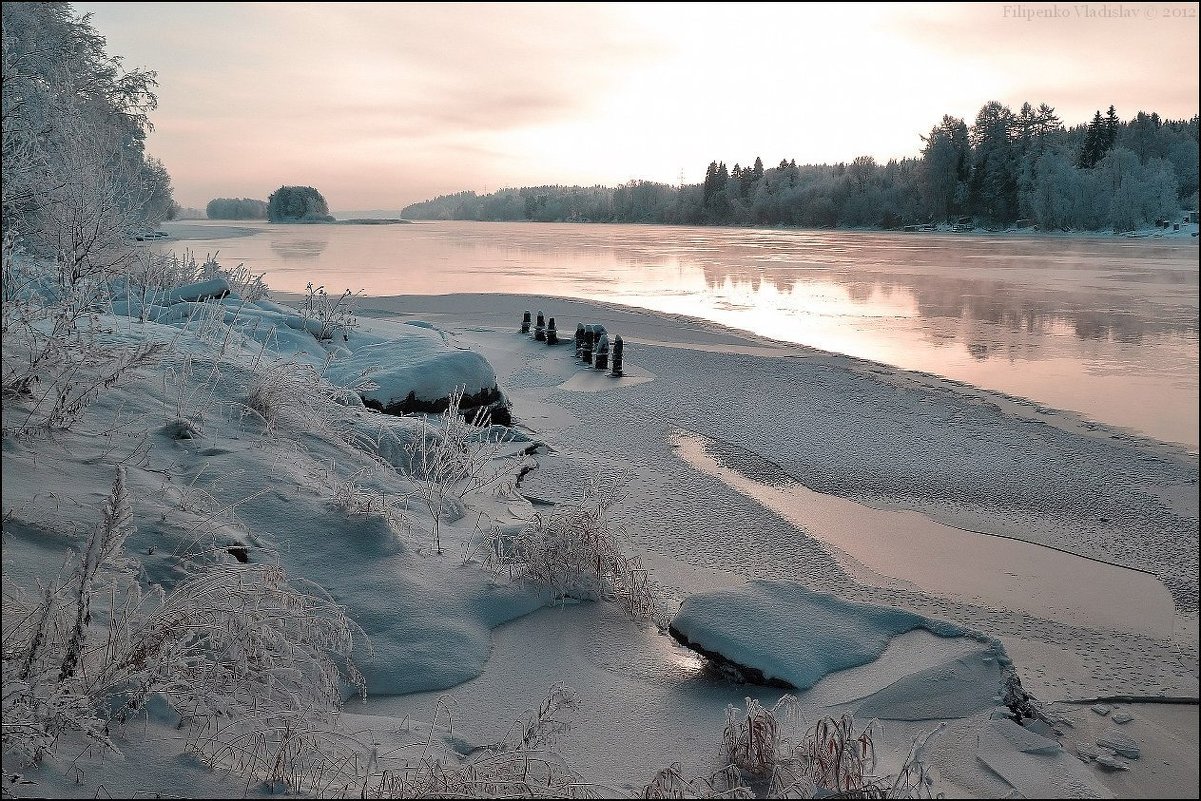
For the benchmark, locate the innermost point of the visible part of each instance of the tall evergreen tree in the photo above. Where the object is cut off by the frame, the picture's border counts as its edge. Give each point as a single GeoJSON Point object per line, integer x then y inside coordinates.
{"type": "Point", "coordinates": [1093, 148]}
{"type": "Point", "coordinates": [993, 189]}
{"type": "Point", "coordinates": [711, 185]}
{"type": "Point", "coordinates": [1110, 129]}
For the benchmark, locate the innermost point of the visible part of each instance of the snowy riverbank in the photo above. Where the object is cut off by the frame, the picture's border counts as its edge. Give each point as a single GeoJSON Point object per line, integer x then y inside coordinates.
{"type": "Point", "coordinates": [305, 479]}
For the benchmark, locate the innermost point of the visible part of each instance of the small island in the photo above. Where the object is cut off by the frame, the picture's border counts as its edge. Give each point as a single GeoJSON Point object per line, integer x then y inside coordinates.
{"type": "Point", "coordinates": [304, 204]}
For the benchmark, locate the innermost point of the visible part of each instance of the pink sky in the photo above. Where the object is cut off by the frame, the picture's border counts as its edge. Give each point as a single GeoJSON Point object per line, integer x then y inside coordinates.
{"type": "Point", "coordinates": [379, 105]}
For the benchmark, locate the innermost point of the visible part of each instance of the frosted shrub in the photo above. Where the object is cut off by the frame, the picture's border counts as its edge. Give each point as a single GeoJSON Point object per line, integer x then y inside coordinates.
{"type": "Point", "coordinates": [835, 759]}
{"type": "Point", "coordinates": [54, 366]}
{"type": "Point", "coordinates": [520, 765]}
{"type": "Point", "coordinates": [189, 395]}
{"type": "Point", "coordinates": [751, 740]}
{"type": "Point", "coordinates": [299, 393]}
{"type": "Point", "coordinates": [235, 642]}
{"type": "Point", "coordinates": [51, 377]}
{"type": "Point", "coordinates": [670, 783]}
{"type": "Point", "coordinates": [243, 282]}
{"type": "Point", "coordinates": [331, 316]}
{"type": "Point", "coordinates": [451, 457]}
{"type": "Point", "coordinates": [575, 551]}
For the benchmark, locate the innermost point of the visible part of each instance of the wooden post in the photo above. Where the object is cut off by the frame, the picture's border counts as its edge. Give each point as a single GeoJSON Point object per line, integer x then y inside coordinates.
{"type": "Point", "coordinates": [525, 323]}
{"type": "Point", "coordinates": [540, 328]}
{"type": "Point", "coordinates": [602, 352]}
{"type": "Point", "coordinates": [618, 346]}
{"type": "Point", "coordinates": [552, 336]}
{"type": "Point", "coordinates": [579, 340]}
{"type": "Point", "coordinates": [589, 341]}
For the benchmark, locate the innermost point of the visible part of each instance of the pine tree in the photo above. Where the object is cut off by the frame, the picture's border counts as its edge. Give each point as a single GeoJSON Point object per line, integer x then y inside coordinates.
{"type": "Point", "coordinates": [1110, 130]}
{"type": "Point", "coordinates": [1093, 149]}
{"type": "Point", "coordinates": [711, 185]}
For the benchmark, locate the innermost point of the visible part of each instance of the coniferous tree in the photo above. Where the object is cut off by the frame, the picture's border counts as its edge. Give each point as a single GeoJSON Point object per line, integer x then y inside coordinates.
{"type": "Point", "coordinates": [711, 184]}
{"type": "Point", "coordinates": [993, 189]}
{"type": "Point", "coordinates": [1093, 147]}
{"type": "Point", "coordinates": [1110, 130]}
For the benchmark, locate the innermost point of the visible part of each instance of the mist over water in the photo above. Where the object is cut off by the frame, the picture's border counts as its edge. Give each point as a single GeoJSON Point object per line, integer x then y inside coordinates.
{"type": "Point", "coordinates": [1105, 327]}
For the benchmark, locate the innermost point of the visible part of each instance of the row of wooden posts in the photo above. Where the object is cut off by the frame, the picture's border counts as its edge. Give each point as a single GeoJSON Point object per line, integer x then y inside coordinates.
{"type": "Point", "coordinates": [591, 342]}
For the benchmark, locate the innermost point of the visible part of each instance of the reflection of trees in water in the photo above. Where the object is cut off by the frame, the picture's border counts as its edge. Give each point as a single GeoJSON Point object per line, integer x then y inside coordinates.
{"type": "Point", "coordinates": [990, 317]}
{"type": "Point", "coordinates": [299, 248]}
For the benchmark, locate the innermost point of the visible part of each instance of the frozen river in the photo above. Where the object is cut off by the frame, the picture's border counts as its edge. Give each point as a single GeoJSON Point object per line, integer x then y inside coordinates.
{"type": "Point", "coordinates": [1107, 327]}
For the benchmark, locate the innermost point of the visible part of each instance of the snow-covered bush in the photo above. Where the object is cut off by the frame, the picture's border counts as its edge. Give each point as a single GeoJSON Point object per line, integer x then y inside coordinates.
{"type": "Point", "coordinates": [296, 392]}
{"type": "Point", "coordinates": [671, 783]}
{"type": "Point", "coordinates": [520, 765]}
{"type": "Point", "coordinates": [54, 370]}
{"type": "Point", "coordinates": [576, 552]}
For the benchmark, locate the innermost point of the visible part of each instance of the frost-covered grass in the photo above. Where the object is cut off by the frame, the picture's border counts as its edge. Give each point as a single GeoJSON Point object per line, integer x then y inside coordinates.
{"type": "Point", "coordinates": [577, 552]}
{"type": "Point", "coordinates": [176, 438]}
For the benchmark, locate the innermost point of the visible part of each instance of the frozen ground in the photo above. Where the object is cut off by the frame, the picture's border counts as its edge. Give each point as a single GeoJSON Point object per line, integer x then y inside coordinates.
{"type": "Point", "coordinates": [983, 461]}
{"type": "Point", "coordinates": [301, 491]}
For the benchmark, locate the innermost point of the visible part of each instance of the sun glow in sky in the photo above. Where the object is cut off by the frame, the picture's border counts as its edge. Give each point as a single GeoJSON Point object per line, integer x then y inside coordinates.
{"type": "Point", "coordinates": [380, 104]}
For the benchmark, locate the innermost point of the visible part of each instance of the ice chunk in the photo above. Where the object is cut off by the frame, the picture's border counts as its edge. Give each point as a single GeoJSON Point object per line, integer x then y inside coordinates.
{"type": "Point", "coordinates": [1102, 709]}
{"type": "Point", "coordinates": [1120, 742]}
{"type": "Point", "coordinates": [1034, 770]}
{"type": "Point", "coordinates": [1112, 762]}
{"type": "Point", "coordinates": [1023, 739]}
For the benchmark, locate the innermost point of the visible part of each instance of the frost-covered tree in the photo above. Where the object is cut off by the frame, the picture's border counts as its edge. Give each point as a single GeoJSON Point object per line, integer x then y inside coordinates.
{"type": "Point", "coordinates": [945, 168]}
{"type": "Point", "coordinates": [993, 188]}
{"type": "Point", "coordinates": [297, 203]}
{"type": "Point", "coordinates": [76, 179]}
{"type": "Point", "coordinates": [228, 208]}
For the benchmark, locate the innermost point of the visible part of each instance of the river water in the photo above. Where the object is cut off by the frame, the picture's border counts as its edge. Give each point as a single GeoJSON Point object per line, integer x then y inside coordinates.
{"type": "Point", "coordinates": [1104, 326]}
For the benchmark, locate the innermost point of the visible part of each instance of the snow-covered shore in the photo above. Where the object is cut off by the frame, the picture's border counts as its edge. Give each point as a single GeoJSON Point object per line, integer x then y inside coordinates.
{"type": "Point", "coordinates": [763, 404]}
{"type": "Point", "coordinates": [297, 492]}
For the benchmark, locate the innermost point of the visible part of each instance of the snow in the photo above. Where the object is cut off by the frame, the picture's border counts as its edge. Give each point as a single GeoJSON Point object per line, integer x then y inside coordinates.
{"type": "Point", "coordinates": [956, 688]}
{"type": "Point", "coordinates": [1035, 769]}
{"type": "Point", "coordinates": [203, 290]}
{"type": "Point", "coordinates": [792, 634]}
{"type": "Point", "coordinates": [420, 363]}
{"type": "Point", "coordinates": [323, 495]}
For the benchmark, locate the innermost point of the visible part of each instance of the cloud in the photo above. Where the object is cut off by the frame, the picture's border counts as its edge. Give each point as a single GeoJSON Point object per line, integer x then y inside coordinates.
{"type": "Point", "coordinates": [1068, 58]}
{"type": "Point", "coordinates": [388, 103]}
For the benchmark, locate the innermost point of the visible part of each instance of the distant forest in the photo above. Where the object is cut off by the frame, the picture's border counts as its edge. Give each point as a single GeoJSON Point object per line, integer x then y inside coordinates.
{"type": "Point", "coordinates": [235, 208]}
{"type": "Point", "coordinates": [1006, 168]}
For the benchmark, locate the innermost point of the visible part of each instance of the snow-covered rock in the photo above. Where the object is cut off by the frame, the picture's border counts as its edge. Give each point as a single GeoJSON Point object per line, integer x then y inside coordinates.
{"type": "Point", "coordinates": [202, 290]}
{"type": "Point", "coordinates": [1122, 717]}
{"type": "Point", "coordinates": [779, 632]}
{"type": "Point", "coordinates": [415, 373]}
